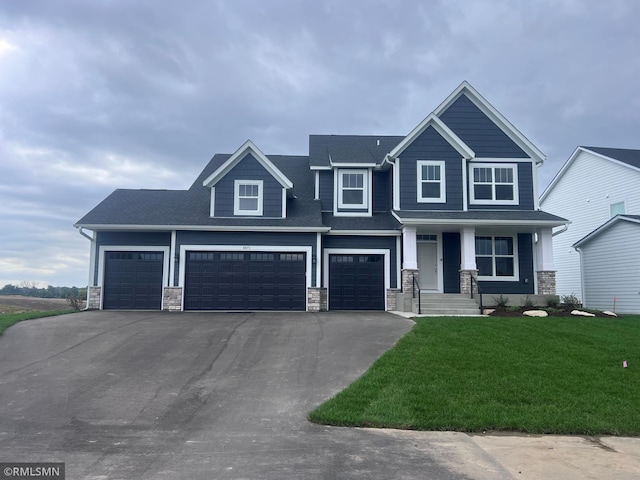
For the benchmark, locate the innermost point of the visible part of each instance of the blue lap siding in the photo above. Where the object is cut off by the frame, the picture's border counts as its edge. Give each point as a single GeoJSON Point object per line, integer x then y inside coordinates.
{"type": "Point", "coordinates": [430, 146]}
{"type": "Point", "coordinates": [248, 169]}
{"type": "Point", "coordinates": [477, 130]}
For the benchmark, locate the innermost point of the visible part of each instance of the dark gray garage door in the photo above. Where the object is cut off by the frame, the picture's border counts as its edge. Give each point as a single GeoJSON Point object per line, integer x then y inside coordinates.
{"type": "Point", "coordinates": [245, 281]}
{"type": "Point", "coordinates": [356, 282]}
{"type": "Point", "coordinates": [133, 280]}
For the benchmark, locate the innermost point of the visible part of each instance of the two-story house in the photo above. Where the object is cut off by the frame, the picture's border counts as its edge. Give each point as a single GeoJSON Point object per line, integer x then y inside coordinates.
{"type": "Point", "coordinates": [356, 224]}
{"type": "Point", "coordinates": [593, 186]}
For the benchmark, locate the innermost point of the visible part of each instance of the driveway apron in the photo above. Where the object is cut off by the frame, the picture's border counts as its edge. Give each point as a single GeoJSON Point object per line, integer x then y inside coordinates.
{"type": "Point", "coordinates": [153, 395]}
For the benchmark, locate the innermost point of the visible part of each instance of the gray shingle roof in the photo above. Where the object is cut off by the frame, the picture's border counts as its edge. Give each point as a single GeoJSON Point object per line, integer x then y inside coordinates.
{"type": "Point", "coordinates": [379, 221]}
{"type": "Point", "coordinates": [349, 148]}
{"type": "Point", "coordinates": [191, 207]}
{"type": "Point", "coordinates": [626, 155]}
{"type": "Point", "coordinates": [525, 216]}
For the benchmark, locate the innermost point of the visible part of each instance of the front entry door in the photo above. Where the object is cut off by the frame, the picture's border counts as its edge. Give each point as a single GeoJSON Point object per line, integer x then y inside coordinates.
{"type": "Point", "coordinates": [428, 266]}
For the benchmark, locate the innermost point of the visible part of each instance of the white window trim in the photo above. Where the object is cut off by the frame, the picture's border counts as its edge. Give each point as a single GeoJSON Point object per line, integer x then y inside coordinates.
{"type": "Point", "coordinates": [353, 210]}
{"type": "Point", "coordinates": [443, 190]}
{"type": "Point", "coordinates": [236, 198]}
{"type": "Point", "coordinates": [493, 166]}
{"type": "Point", "coordinates": [516, 260]}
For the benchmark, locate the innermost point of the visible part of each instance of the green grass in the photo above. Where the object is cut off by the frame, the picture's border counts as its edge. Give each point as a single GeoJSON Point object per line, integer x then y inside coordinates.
{"type": "Point", "coordinates": [8, 319]}
{"type": "Point", "coordinates": [535, 375]}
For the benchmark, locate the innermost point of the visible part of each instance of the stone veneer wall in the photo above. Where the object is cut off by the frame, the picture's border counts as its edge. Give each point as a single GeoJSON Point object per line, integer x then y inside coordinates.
{"type": "Point", "coordinates": [392, 299]}
{"type": "Point", "coordinates": [546, 282]}
{"type": "Point", "coordinates": [93, 298]}
{"type": "Point", "coordinates": [407, 280]}
{"type": "Point", "coordinates": [172, 299]}
{"type": "Point", "coordinates": [316, 299]}
{"type": "Point", "coordinates": [465, 281]}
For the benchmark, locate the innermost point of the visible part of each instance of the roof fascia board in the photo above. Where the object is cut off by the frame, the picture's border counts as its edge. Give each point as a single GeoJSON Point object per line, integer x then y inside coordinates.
{"type": "Point", "coordinates": [560, 173]}
{"type": "Point", "coordinates": [377, 233]}
{"type": "Point", "coordinates": [604, 227]}
{"type": "Point", "coordinates": [453, 221]}
{"type": "Point", "coordinates": [214, 228]}
{"type": "Point", "coordinates": [246, 148]}
{"type": "Point", "coordinates": [353, 165]}
{"type": "Point", "coordinates": [433, 121]}
{"type": "Point", "coordinates": [316, 167]}
{"type": "Point", "coordinates": [572, 158]}
{"type": "Point", "coordinates": [489, 110]}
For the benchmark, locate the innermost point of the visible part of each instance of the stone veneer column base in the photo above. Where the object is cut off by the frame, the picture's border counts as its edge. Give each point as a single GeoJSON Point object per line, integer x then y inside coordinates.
{"type": "Point", "coordinates": [465, 281]}
{"type": "Point", "coordinates": [546, 282]}
{"type": "Point", "coordinates": [316, 299]}
{"type": "Point", "coordinates": [407, 280]}
{"type": "Point", "coordinates": [94, 295]}
{"type": "Point", "coordinates": [172, 299]}
{"type": "Point", "coordinates": [392, 299]}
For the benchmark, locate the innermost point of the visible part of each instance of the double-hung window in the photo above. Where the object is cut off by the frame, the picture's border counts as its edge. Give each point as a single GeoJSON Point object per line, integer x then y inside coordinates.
{"type": "Point", "coordinates": [496, 258]}
{"type": "Point", "coordinates": [353, 189]}
{"type": "Point", "coordinates": [247, 198]}
{"type": "Point", "coordinates": [431, 182]}
{"type": "Point", "coordinates": [494, 183]}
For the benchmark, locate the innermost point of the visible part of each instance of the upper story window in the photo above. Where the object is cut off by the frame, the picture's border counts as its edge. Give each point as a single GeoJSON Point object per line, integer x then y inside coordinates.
{"type": "Point", "coordinates": [353, 189]}
{"type": "Point", "coordinates": [494, 183]}
{"type": "Point", "coordinates": [496, 258]}
{"type": "Point", "coordinates": [616, 209]}
{"type": "Point", "coordinates": [247, 198]}
{"type": "Point", "coordinates": [431, 184]}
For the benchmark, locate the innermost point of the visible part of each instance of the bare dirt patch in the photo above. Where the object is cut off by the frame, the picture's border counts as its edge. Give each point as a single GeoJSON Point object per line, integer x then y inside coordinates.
{"type": "Point", "coordinates": [19, 303]}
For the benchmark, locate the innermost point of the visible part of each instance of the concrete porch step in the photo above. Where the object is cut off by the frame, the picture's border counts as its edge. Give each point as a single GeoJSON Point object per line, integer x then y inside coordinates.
{"type": "Point", "coordinates": [446, 304]}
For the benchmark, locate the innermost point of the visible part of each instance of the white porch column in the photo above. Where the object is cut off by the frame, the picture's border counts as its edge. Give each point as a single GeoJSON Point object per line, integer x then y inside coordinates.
{"type": "Point", "coordinates": [545, 249]}
{"type": "Point", "coordinates": [468, 248]}
{"type": "Point", "coordinates": [409, 248]}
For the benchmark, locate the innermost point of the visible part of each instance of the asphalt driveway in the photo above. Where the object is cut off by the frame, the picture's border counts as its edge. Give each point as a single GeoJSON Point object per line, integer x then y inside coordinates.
{"type": "Point", "coordinates": [208, 396]}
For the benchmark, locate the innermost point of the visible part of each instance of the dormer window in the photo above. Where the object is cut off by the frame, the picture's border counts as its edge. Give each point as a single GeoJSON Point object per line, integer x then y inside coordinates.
{"type": "Point", "coordinates": [352, 189]}
{"type": "Point", "coordinates": [247, 197]}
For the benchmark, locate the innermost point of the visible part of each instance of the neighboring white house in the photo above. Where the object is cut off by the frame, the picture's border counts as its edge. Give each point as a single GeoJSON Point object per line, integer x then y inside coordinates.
{"type": "Point", "coordinates": [594, 185]}
{"type": "Point", "coordinates": [610, 260]}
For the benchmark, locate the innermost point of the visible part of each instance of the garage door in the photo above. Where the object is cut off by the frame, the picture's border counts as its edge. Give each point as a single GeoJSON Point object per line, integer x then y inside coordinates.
{"type": "Point", "coordinates": [356, 282]}
{"type": "Point", "coordinates": [245, 281]}
{"type": "Point", "coordinates": [133, 280]}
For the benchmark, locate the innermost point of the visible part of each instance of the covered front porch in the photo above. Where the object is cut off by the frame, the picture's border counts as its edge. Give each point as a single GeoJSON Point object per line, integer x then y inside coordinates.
{"type": "Point", "coordinates": [509, 258]}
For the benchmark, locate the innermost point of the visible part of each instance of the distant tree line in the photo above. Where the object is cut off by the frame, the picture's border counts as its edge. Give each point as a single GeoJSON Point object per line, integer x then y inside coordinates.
{"type": "Point", "coordinates": [30, 289]}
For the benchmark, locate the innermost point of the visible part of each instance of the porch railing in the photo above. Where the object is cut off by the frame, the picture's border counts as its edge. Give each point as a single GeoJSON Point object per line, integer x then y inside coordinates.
{"type": "Point", "coordinates": [474, 281]}
{"type": "Point", "coordinates": [416, 286]}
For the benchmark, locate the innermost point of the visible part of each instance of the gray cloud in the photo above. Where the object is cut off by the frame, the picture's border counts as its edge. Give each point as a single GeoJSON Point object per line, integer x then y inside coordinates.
{"type": "Point", "coordinates": [129, 94]}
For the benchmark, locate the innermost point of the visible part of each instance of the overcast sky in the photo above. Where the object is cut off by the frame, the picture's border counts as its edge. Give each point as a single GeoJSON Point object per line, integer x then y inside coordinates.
{"type": "Point", "coordinates": [105, 94]}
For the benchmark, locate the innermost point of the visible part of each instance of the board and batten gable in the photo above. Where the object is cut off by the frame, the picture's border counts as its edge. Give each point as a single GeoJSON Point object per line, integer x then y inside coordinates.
{"type": "Point", "coordinates": [430, 145]}
{"type": "Point", "coordinates": [610, 266]}
{"type": "Point", "coordinates": [583, 194]}
{"type": "Point", "coordinates": [248, 169]}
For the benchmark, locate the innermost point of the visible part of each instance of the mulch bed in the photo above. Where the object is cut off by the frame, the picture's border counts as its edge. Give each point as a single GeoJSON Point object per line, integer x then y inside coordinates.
{"type": "Point", "coordinates": [559, 311]}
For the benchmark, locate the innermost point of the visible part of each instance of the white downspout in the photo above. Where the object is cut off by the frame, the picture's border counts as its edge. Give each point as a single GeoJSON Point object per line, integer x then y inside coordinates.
{"type": "Point", "coordinates": [92, 263]}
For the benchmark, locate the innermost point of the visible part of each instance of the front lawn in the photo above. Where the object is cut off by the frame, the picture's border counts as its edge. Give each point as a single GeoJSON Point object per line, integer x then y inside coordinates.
{"type": "Point", "coordinates": [535, 375]}
{"type": "Point", "coordinates": [8, 319]}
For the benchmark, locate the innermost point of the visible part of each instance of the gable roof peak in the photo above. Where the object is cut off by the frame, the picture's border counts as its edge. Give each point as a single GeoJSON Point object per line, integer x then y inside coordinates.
{"type": "Point", "coordinates": [433, 121]}
{"type": "Point", "coordinates": [245, 149]}
{"type": "Point", "coordinates": [465, 88]}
